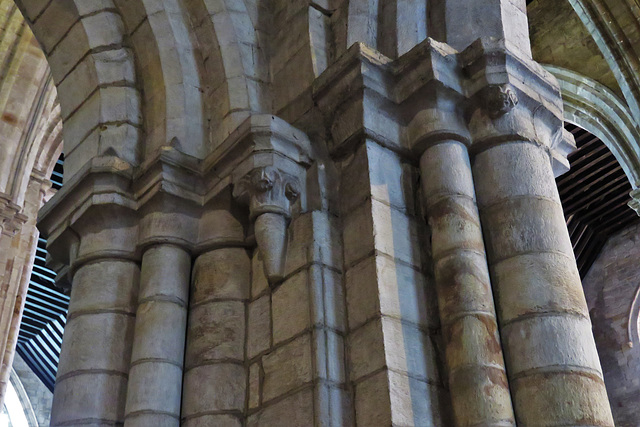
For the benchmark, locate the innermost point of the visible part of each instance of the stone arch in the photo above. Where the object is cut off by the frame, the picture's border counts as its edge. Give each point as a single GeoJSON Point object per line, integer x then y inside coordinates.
{"type": "Point", "coordinates": [614, 46]}
{"type": "Point", "coordinates": [167, 70]}
{"type": "Point", "coordinates": [597, 109]}
{"type": "Point", "coordinates": [235, 75]}
{"type": "Point", "coordinates": [42, 143]}
{"type": "Point", "coordinates": [95, 75]}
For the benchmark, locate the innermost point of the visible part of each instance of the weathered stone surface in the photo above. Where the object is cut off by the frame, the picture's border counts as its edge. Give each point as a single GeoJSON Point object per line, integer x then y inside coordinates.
{"type": "Point", "coordinates": [259, 326]}
{"type": "Point", "coordinates": [258, 160]}
{"type": "Point", "coordinates": [291, 308]}
{"type": "Point", "coordinates": [215, 387]}
{"type": "Point", "coordinates": [297, 410]}
{"type": "Point", "coordinates": [216, 332]}
{"type": "Point", "coordinates": [287, 368]}
{"type": "Point", "coordinates": [222, 273]}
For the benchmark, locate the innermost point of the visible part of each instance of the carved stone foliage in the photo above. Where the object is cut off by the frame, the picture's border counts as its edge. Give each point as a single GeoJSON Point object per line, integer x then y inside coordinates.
{"type": "Point", "coordinates": [499, 100]}
{"type": "Point", "coordinates": [271, 194]}
{"type": "Point", "coordinates": [268, 189]}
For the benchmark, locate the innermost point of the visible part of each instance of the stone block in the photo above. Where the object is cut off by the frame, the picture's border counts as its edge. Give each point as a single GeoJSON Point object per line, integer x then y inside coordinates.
{"type": "Point", "coordinates": [388, 342]}
{"type": "Point", "coordinates": [358, 234]}
{"type": "Point", "coordinates": [221, 273]}
{"type": "Point", "coordinates": [97, 342]}
{"type": "Point", "coordinates": [287, 368]}
{"type": "Point", "coordinates": [291, 307]}
{"type": "Point", "coordinates": [259, 282]}
{"type": "Point", "coordinates": [506, 182]}
{"type": "Point", "coordinates": [165, 273]}
{"type": "Point", "coordinates": [550, 341]}
{"type": "Point", "coordinates": [551, 283]}
{"type": "Point", "coordinates": [119, 293]}
{"type": "Point", "coordinates": [89, 396]}
{"type": "Point", "coordinates": [254, 385]}
{"type": "Point", "coordinates": [216, 331]}
{"type": "Point", "coordinates": [372, 401]}
{"type": "Point", "coordinates": [327, 298]}
{"type": "Point", "coordinates": [259, 328]}
{"type": "Point", "coordinates": [565, 397]}
{"type": "Point", "coordinates": [160, 331]}
{"type": "Point", "coordinates": [329, 355]}
{"type": "Point", "coordinates": [513, 228]}
{"type": "Point", "coordinates": [155, 387]}
{"type": "Point", "coordinates": [296, 409]}
{"type": "Point", "coordinates": [211, 388]}
{"type": "Point", "coordinates": [156, 420]}
{"type": "Point", "coordinates": [378, 285]}
{"type": "Point", "coordinates": [213, 420]}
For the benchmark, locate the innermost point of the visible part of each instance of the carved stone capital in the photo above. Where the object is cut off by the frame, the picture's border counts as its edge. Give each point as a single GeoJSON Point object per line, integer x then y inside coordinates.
{"type": "Point", "coordinates": [511, 97]}
{"type": "Point", "coordinates": [499, 100]}
{"type": "Point", "coordinates": [267, 189]}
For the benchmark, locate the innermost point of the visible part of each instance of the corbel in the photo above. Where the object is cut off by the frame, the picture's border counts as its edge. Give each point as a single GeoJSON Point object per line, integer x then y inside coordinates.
{"type": "Point", "coordinates": [271, 195]}
{"type": "Point", "coordinates": [265, 162]}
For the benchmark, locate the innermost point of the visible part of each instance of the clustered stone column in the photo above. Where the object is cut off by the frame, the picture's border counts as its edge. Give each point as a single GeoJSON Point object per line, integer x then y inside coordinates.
{"type": "Point", "coordinates": [319, 294]}
{"type": "Point", "coordinates": [477, 377]}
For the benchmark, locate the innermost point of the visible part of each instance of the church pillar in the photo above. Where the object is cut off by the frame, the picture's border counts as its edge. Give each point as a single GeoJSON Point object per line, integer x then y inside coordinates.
{"type": "Point", "coordinates": [215, 374]}
{"type": "Point", "coordinates": [518, 145]}
{"type": "Point", "coordinates": [91, 383]}
{"type": "Point", "coordinates": [393, 331]}
{"type": "Point", "coordinates": [477, 377]}
{"type": "Point", "coordinates": [518, 141]}
{"type": "Point", "coordinates": [554, 370]}
{"type": "Point", "coordinates": [155, 377]}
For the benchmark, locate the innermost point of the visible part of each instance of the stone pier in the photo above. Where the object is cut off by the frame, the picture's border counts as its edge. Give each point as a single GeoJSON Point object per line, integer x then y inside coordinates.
{"type": "Point", "coordinates": [366, 234]}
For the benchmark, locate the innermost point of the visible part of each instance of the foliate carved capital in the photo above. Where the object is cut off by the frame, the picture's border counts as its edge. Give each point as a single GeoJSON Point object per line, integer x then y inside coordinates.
{"type": "Point", "coordinates": [268, 190]}
{"type": "Point", "coordinates": [499, 100]}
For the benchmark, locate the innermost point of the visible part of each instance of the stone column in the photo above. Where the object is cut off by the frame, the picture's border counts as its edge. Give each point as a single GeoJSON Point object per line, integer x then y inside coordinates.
{"type": "Point", "coordinates": [91, 383]}
{"type": "Point", "coordinates": [553, 364]}
{"type": "Point", "coordinates": [477, 378]}
{"type": "Point", "coordinates": [155, 377]}
{"type": "Point", "coordinates": [94, 361]}
{"type": "Point", "coordinates": [215, 374]}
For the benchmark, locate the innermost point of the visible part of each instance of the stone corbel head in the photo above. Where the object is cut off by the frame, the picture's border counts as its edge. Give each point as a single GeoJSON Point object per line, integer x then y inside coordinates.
{"type": "Point", "coordinates": [499, 100]}
{"type": "Point", "coordinates": [271, 195]}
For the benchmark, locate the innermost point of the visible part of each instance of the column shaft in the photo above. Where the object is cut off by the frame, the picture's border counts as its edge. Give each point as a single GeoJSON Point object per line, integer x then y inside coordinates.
{"type": "Point", "coordinates": [477, 377]}
{"type": "Point", "coordinates": [553, 366]}
{"type": "Point", "coordinates": [155, 376]}
{"type": "Point", "coordinates": [94, 362]}
{"type": "Point", "coordinates": [215, 374]}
